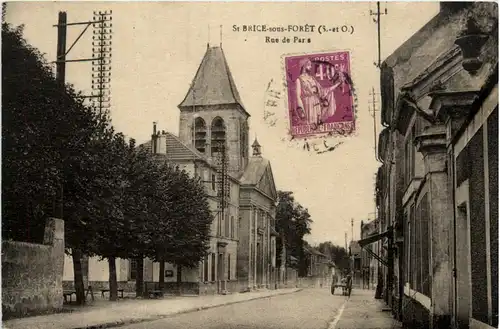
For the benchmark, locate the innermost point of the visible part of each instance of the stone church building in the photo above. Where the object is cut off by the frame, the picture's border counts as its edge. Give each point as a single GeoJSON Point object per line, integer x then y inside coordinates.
{"type": "Point", "coordinates": [243, 237]}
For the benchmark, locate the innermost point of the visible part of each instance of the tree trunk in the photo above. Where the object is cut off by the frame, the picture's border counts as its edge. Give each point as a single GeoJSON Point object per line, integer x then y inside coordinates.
{"type": "Point", "coordinates": [161, 275]}
{"type": "Point", "coordinates": [113, 284]}
{"type": "Point", "coordinates": [78, 276]}
{"type": "Point", "coordinates": [139, 277]}
{"type": "Point", "coordinates": [179, 280]}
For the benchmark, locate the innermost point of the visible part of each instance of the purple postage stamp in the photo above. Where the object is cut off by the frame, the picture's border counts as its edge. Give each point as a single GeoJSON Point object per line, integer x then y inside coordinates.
{"type": "Point", "coordinates": [320, 94]}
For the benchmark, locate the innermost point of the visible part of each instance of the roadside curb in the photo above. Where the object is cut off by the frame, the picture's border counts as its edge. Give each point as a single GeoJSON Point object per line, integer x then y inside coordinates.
{"type": "Point", "coordinates": [189, 310]}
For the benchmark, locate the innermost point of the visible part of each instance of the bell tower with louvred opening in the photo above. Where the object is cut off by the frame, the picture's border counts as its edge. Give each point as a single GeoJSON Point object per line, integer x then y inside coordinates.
{"type": "Point", "coordinates": [212, 113]}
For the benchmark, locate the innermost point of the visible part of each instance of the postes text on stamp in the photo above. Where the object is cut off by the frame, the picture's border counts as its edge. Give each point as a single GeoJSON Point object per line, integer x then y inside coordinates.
{"type": "Point", "coordinates": [319, 94]}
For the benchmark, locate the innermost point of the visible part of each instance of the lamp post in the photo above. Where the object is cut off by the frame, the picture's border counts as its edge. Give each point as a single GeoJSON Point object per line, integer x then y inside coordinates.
{"type": "Point", "coordinates": [470, 41]}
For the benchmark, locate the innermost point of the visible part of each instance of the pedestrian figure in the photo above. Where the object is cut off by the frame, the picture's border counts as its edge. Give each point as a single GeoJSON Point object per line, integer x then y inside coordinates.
{"type": "Point", "coordinates": [349, 284]}
{"type": "Point", "coordinates": [334, 283]}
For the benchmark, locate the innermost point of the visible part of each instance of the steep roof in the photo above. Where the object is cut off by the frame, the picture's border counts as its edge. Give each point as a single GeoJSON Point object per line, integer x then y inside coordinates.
{"type": "Point", "coordinates": [254, 170]}
{"type": "Point", "coordinates": [254, 175]}
{"type": "Point", "coordinates": [176, 150]}
{"type": "Point", "coordinates": [313, 251]}
{"type": "Point", "coordinates": [213, 83]}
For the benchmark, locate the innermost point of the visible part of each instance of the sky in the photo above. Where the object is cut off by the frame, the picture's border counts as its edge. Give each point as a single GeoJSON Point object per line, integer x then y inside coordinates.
{"type": "Point", "coordinates": [158, 46]}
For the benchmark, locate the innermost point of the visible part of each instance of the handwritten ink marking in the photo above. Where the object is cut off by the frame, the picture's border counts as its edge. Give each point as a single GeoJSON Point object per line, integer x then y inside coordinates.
{"type": "Point", "coordinates": [271, 101]}
{"type": "Point", "coordinates": [330, 149]}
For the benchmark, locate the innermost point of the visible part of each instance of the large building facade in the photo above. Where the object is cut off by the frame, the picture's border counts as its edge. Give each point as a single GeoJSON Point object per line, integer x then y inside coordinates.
{"type": "Point", "coordinates": [214, 134]}
{"type": "Point", "coordinates": [438, 185]}
{"type": "Point", "coordinates": [369, 264]}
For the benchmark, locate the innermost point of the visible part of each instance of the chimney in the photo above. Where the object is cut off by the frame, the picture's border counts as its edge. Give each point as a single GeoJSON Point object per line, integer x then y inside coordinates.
{"type": "Point", "coordinates": [161, 141]}
{"type": "Point", "coordinates": [154, 138]}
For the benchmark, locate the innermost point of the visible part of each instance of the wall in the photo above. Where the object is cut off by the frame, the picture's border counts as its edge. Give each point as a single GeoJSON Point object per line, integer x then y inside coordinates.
{"type": "Point", "coordinates": [32, 274]}
{"type": "Point", "coordinates": [243, 264]}
{"type": "Point", "coordinates": [230, 114]}
{"type": "Point", "coordinates": [431, 56]}
{"type": "Point", "coordinates": [415, 315]}
{"type": "Point", "coordinates": [98, 269]}
{"type": "Point", "coordinates": [188, 275]}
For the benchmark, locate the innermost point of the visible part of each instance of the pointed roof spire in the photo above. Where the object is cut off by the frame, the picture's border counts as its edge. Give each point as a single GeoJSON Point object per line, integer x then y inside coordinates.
{"type": "Point", "coordinates": [213, 83]}
{"type": "Point", "coordinates": [256, 148]}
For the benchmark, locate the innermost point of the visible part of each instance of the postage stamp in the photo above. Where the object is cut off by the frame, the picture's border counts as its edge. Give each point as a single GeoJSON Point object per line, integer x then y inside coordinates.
{"type": "Point", "coordinates": [319, 94]}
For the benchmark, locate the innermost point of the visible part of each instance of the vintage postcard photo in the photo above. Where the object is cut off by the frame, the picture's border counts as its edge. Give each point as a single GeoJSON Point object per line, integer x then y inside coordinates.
{"type": "Point", "coordinates": [250, 165]}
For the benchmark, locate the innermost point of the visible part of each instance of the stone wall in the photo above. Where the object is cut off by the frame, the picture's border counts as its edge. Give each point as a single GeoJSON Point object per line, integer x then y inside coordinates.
{"type": "Point", "coordinates": [32, 274]}
{"type": "Point", "coordinates": [415, 315]}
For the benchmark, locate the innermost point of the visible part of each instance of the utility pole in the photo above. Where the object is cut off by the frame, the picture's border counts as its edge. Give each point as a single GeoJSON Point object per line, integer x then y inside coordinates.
{"type": "Point", "coordinates": [377, 20]}
{"type": "Point", "coordinates": [61, 60]}
{"type": "Point", "coordinates": [101, 53]}
{"type": "Point", "coordinates": [352, 229]}
{"type": "Point", "coordinates": [372, 108]}
{"type": "Point", "coordinates": [61, 80]}
{"type": "Point", "coordinates": [61, 48]}
{"type": "Point", "coordinates": [99, 64]}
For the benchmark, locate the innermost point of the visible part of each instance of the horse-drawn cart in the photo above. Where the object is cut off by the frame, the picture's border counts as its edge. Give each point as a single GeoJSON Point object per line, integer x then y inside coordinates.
{"type": "Point", "coordinates": [346, 286]}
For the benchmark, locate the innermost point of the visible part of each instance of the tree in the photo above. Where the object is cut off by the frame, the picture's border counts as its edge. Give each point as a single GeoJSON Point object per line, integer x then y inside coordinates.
{"type": "Point", "coordinates": [50, 145]}
{"type": "Point", "coordinates": [183, 238]}
{"type": "Point", "coordinates": [144, 208]}
{"type": "Point", "coordinates": [293, 223]}
{"type": "Point", "coordinates": [337, 254]}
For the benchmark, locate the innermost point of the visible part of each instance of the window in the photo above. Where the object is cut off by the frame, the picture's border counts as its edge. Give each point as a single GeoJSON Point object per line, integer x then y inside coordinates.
{"type": "Point", "coordinates": [219, 224]}
{"type": "Point", "coordinates": [418, 254]}
{"type": "Point", "coordinates": [426, 283]}
{"type": "Point", "coordinates": [229, 266]}
{"type": "Point", "coordinates": [412, 249]}
{"type": "Point", "coordinates": [407, 247]}
{"type": "Point", "coordinates": [410, 157]}
{"type": "Point", "coordinates": [213, 267]}
{"type": "Point", "coordinates": [226, 226]}
{"type": "Point", "coordinates": [200, 134]}
{"type": "Point", "coordinates": [205, 269]}
{"type": "Point", "coordinates": [232, 227]}
{"type": "Point", "coordinates": [418, 250]}
{"type": "Point", "coordinates": [218, 134]}
{"type": "Point", "coordinates": [412, 153]}
{"type": "Point", "coordinates": [244, 139]}
{"type": "Point", "coordinates": [213, 182]}
{"type": "Point", "coordinates": [133, 269]}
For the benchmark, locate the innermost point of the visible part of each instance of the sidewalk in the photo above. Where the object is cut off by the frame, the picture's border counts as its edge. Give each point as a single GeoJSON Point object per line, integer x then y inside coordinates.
{"type": "Point", "coordinates": [363, 311]}
{"type": "Point", "coordinates": [113, 314]}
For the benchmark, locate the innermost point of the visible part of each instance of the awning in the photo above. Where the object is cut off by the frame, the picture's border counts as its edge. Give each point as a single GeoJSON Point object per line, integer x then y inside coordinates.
{"type": "Point", "coordinates": [373, 238]}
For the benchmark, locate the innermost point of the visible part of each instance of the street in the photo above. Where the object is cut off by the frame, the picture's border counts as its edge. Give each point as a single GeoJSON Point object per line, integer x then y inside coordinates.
{"type": "Point", "coordinates": [307, 309]}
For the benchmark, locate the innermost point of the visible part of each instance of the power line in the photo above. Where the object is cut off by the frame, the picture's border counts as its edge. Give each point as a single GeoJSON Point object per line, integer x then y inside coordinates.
{"type": "Point", "coordinates": [100, 58]}
{"type": "Point", "coordinates": [377, 20]}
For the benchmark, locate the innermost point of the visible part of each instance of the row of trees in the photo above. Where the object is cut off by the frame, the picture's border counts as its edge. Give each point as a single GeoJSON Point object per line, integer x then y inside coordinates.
{"type": "Point", "coordinates": [63, 157]}
{"type": "Point", "coordinates": [337, 254]}
{"type": "Point", "coordinates": [293, 223]}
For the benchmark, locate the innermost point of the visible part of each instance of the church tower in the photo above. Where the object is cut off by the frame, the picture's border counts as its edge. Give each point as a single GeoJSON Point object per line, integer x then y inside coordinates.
{"type": "Point", "coordinates": [212, 112]}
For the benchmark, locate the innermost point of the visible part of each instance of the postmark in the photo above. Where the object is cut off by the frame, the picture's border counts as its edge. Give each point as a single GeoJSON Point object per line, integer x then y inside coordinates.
{"type": "Point", "coordinates": [319, 94]}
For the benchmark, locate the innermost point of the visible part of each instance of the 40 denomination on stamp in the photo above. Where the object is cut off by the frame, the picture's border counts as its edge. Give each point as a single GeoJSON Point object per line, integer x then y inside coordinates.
{"type": "Point", "coordinates": [319, 94]}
